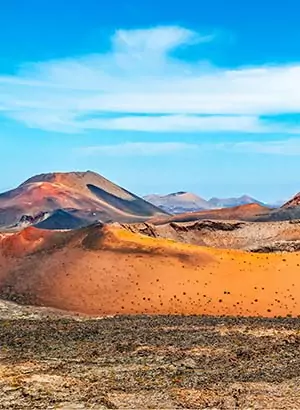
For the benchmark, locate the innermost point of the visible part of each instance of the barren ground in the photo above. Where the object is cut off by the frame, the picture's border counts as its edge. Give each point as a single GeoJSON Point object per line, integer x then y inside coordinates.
{"type": "Point", "coordinates": [230, 234]}
{"type": "Point", "coordinates": [52, 361]}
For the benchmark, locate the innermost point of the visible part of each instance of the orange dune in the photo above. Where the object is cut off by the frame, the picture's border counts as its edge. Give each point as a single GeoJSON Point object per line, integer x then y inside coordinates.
{"type": "Point", "coordinates": [24, 242]}
{"type": "Point", "coordinates": [108, 270]}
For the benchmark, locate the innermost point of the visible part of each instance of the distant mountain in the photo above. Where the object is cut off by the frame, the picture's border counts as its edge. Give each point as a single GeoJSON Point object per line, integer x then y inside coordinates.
{"type": "Point", "coordinates": [183, 202]}
{"type": "Point", "coordinates": [276, 204]}
{"type": "Point", "coordinates": [232, 202]}
{"type": "Point", "coordinates": [178, 202]}
{"type": "Point", "coordinates": [72, 200]}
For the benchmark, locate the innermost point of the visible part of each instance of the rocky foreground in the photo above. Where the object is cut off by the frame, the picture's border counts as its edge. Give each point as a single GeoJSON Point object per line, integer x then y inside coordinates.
{"type": "Point", "coordinates": [52, 361]}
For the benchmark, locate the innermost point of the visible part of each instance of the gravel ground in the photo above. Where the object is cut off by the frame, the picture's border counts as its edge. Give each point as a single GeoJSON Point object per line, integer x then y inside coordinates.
{"type": "Point", "coordinates": [50, 361]}
{"type": "Point", "coordinates": [250, 236]}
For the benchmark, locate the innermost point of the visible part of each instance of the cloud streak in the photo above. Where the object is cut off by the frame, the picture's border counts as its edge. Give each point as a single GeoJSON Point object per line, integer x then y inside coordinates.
{"type": "Point", "coordinates": [289, 147]}
{"type": "Point", "coordinates": [146, 88]}
{"type": "Point", "coordinates": [138, 149]}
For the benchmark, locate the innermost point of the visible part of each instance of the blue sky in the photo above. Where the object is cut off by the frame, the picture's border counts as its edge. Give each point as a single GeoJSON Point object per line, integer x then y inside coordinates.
{"type": "Point", "coordinates": [158, 96]}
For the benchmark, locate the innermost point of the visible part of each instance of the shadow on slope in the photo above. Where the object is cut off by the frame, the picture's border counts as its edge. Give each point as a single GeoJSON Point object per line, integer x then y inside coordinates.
{"type": "Point", "coordinates": [134, 205]}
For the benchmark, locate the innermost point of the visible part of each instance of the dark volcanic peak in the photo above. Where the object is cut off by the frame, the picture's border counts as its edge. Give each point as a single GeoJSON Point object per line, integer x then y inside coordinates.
{"type": "Point", "coordinates": [295, 201]}
{"type": "Point", "coordinates": [177, 193]}
{"type": "Point", "coordinates": [64, 219]}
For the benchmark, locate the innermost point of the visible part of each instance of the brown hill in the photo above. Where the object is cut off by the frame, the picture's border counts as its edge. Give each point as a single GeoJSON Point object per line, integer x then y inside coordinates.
{"type": "Point", "coordinates": [81, 191]}
{"type": "Point", "coordinates": [246, 212]}
{"type": "Point", "coordinates": [109, 270]}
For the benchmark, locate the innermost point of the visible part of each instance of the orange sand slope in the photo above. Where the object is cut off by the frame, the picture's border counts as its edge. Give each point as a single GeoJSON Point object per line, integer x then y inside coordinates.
{"type": "Point", "coordinates": [109, 270]}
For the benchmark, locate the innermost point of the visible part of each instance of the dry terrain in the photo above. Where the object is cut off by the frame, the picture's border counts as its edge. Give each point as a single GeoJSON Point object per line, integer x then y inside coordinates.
{"type": "Point", "coordinates": [169, 316]}
{"type": "Point", "coordinates": [52, 361]}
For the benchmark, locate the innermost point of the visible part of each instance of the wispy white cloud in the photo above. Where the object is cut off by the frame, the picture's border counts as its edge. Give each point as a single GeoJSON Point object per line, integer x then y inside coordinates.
{"type": "Point", "coordinates": [140, 75]}
{"type": "Point", "coordinates": [138, 149]}
{"type": "Point", "coordinates": [159, 39]}
{"type": "Point", "coordinates": [289, 147]}
{"type": "Point", "coordinates": [176, 123]}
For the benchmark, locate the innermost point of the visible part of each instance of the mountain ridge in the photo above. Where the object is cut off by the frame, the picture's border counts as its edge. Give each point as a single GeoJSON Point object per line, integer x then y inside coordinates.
{"type": "Point", "coordinates": [178, 202]}
{"type": "Point", "coordinates": [183, 202]}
